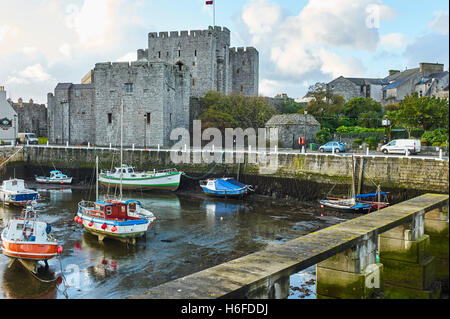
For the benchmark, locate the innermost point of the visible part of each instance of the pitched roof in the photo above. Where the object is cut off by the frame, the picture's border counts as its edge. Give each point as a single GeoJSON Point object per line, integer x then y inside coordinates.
{"type": "Point", "coordinates": [293, 119]}
{"type": "Point", "coordinates": [63, 86]}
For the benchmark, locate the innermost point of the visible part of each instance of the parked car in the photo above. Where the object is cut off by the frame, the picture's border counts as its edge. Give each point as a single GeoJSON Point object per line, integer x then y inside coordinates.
{"type": "Point", "coordinates": [400, 147]}
{"type": "Point", "coordinates": [23, 138]}
{"type": "Point", "coordinates": [338, 147]}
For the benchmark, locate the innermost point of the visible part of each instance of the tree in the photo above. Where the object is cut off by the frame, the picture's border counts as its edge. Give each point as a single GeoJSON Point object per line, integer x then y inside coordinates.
{"type": "Point", "coordinates": [364, 111]}
{"type": "Point", "coordinates": [428, 113]}
{"type": "Point", "coordinates": [232, 111]}
{"type": "Point", "coordinates": [325, 106]}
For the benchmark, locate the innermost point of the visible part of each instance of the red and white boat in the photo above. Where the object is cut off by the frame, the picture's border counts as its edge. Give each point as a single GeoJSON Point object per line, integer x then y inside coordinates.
{"type": "Point", "coordinates": [29, 239]}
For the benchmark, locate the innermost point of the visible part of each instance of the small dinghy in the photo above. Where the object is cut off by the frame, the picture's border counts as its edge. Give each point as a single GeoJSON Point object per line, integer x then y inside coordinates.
{"type": "Point", "coordinates": [225, 187]}
{"type": "Point", "coordinates": [13, 192]}
{"type": "Point", "coordinates": [355, 204]}
{"type": "Point", "coordinates": [28, 239]}
{"type": "Point", "coordinates": [56, 177]}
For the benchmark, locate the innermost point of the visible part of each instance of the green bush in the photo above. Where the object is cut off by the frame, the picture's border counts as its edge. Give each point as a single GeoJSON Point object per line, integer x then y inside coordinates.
{"type": "Point", "coordinates": [357, 142]}
{"type": "Point", "coordinates": [437, 144]}
{"type": "Point", "coordinates": [433, 137]}
{"type": "Point", "coordinates": [371, 142]}
{"type": "Point", "coordinates": [323, 136]}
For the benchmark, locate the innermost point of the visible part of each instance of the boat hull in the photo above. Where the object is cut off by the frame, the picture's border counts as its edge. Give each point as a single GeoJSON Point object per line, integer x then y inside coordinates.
{"type": "Point", "coordinates": [29, 251]}
{"type": "Point", "coordinates": [169, 182]}
{"type": "Point", "coordinates": [223, 193]}
{"type": "Point", "coordinates": [44, 180]}
{"type": "Point", "coordinates": [125, 230]}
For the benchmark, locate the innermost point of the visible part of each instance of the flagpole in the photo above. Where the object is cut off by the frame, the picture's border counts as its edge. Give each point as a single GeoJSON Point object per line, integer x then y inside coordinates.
{"type": "Point", "coordinates": [214, 13]}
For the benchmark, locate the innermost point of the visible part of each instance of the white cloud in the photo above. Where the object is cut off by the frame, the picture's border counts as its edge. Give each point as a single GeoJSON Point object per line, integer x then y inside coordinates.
{"type": "Point", "coordinates": [307, 43]}
{"type": "Point", "coordinates": [35, 73]}
{"type": "Point", "coordinates": [440, 22]}
{"type": "Point", "coordinates": [8, 32]}
{"type": "Point", "coordinates": [130, 56]}
{"type": "Point", "coordinates": [30, 50]}
{"type": "Point", "coordinates": [65, 50]}
{"type": "Point", "coordinates": [94, 22]}
{"type": "Point", "coordinates": [393, 41]}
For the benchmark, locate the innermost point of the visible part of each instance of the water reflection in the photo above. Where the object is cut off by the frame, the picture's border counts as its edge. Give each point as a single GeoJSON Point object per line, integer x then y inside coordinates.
{"type": "Point", "coordinates": [192, 233]}
{"type": "Point", "coordinates": [55, 195]}
{"type": "Point", "coordinates": [18, 283]}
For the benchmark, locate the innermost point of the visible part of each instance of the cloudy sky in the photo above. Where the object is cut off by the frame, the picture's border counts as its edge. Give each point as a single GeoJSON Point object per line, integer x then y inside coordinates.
{"type": "Point", "coordinates": [301, 42]}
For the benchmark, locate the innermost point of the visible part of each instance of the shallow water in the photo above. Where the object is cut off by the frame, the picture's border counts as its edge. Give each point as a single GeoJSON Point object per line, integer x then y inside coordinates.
{"type": "Point", "coordinates": [192, 233]}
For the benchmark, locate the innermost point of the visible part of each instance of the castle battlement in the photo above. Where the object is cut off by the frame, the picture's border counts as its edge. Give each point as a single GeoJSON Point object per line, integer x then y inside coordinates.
{"type": "Point", "coordinates": [242, 50]}
{"type": "Point", "coordinates": [184, 33]}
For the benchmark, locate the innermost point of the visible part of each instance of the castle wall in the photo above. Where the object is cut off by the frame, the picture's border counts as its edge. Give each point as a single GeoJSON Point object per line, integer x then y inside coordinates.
{"type": "Point", "coordinates": [158, 88]}
{"type": "Point", "coordinates": [204, 52]}
{"type": "Point", "coordinates": [245, 71]}
{"type": "Point", "coordinates": [70, 114]}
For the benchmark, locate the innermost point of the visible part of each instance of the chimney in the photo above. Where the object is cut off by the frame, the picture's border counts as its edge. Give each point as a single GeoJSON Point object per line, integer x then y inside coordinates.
{"type": "Point", "coordinates": [2, 93]}
{"type": "Point", "coordinates": [430, 68]}
{"type": "Point", "coordinates": [20, 101]}
{"type": "Point", "coordinates": [31, 101]}
{"type": "Point", "coordinates": [391, 72]}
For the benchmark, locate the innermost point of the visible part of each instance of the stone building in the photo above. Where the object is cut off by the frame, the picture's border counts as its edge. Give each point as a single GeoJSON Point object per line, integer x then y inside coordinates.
{"type": "Point", "coordinates": [8, 119]}
{"type": "Point", "coordinates": [177, 69]}
{"type": "Point", "coordinates": [350, 88]}
{"type": "Point", "coordinates": [427, 80]}
{"type": "Point", "coordinates": [155, 96]}
{"type": "Point", "coordinates": [32, 117]}
{"type": "Point", "coordinates": [293, 126]}
{"type": "Point", "coordinates": [213, 64]}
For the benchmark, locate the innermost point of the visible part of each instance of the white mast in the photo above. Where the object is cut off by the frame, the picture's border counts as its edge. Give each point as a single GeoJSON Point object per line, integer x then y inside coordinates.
{"type": "Point", "coordinates": [96, 178]}
{"type": "Point", "coordinates": [121, 150]}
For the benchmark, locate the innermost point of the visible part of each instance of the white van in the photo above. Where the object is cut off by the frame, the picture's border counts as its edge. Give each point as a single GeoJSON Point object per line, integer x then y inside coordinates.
{"type": "Point", "coordinates": [400, 147]}
{"type": "Point", "coordinates": [27, 137]}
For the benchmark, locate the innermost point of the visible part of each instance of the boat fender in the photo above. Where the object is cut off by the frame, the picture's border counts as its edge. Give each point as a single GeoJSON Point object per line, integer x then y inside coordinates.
{"type": "Point", "coordinates": [76, 219]}
{"type": "Point", "coordinates": [59, 249]}
{"type": "Point", "coordinates": [114, 229]}
{"type": "Point", "coordinates": [104, 226]}
{"type": "Point", "coordinates": [48, 229]}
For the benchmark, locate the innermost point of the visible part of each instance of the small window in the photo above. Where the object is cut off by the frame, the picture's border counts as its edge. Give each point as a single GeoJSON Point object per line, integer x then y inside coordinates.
{"type": "Point", "coordinates": [420, 93]}
{"type": "Point", "coordinates": [124, 209]}
{"type": "Point", "coordinates": [77, 93]}
{"type": "Point", "coordinates": [149, 117]}
{"type": "Point", "coordinates": [159, 54]}
{"type": "Point", "coordinates": [170, 118]}
{"type": "Point", "coordinates": [195, 53]}
{"type": "Point", "coordinates": [109, 118]}
{"type": "Point", "coordinates": [193, 82]}
{"type": "Point", "coordinates": [179, 53]}
{"type": "Point", "coordinates": [108, 210]}
{"type": "Point", "coordinates": [193, 63]}
{"type": "Point", "coordinates": [242, 88]}
{"type": "Point", "coordinates": [128, 87]}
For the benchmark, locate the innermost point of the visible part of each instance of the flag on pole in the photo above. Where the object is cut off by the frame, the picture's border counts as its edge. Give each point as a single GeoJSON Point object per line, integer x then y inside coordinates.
{"type": "Point", "coordinates": [210, 2]}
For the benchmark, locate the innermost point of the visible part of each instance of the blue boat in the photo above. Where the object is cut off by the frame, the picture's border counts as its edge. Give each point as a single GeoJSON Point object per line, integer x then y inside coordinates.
{"type": "Point", "coordinates": [356, 204]}
{"type": "Point", "coordinates": [13, 192]}
{"type": "Point", "coordinates": [225, 187]}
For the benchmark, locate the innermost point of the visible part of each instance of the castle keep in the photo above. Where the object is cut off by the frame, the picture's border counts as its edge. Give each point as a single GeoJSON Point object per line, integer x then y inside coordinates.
{"type": "Point", "coordinates": [156, 89]}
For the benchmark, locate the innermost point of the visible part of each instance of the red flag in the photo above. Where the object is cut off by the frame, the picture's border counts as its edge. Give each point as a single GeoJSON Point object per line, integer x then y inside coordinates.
{"type": "Point", "coordinates": [210, 2]}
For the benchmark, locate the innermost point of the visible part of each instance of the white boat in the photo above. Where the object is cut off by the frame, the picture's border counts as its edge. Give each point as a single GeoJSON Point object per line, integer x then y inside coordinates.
{"type": "Point", "coordinates": [131, 180]}
{"type": "Point", "coordinates": [29, 238]}
{"type": "Point", "coordinates": [56, 177]}
{"type": "Point", "coordinates": [116, 219]}
{"type": "Point", "coordinates": [13, 192]}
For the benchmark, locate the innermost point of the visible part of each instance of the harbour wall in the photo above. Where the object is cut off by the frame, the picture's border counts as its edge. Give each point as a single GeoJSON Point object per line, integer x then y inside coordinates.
{"type": "Point", "coordinates": [284, 175]}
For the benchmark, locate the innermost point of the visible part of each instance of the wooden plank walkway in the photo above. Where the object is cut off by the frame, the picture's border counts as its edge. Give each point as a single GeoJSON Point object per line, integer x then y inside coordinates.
{"type": "Point", "coordinates": [234, 278]}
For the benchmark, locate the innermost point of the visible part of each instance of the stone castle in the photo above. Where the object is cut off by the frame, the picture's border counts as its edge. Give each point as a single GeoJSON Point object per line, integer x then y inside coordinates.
{"type": "Point", "coordinates": [157, 89]}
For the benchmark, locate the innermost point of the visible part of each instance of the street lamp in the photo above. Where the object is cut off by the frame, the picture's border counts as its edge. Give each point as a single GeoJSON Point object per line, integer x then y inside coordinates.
{"type": "Point", "coordinates": [386, 122]}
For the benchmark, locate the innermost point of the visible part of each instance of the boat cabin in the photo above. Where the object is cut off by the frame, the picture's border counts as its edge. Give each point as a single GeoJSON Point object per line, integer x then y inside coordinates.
{"type": "Point", "coordinates": [13, 185]}
{"type": "Point", "coordinates": [125, 170]}
{"type": "Point", "coordinates": [57, 175]}
{"type": "Point", "coordinates": [115, 210]}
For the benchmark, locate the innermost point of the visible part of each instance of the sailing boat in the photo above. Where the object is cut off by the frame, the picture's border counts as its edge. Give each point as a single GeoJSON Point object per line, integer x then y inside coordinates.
{"type": "Point", "coordinates": [356, 204]}
{"type": "Point", "coordinates": [116, 219]}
